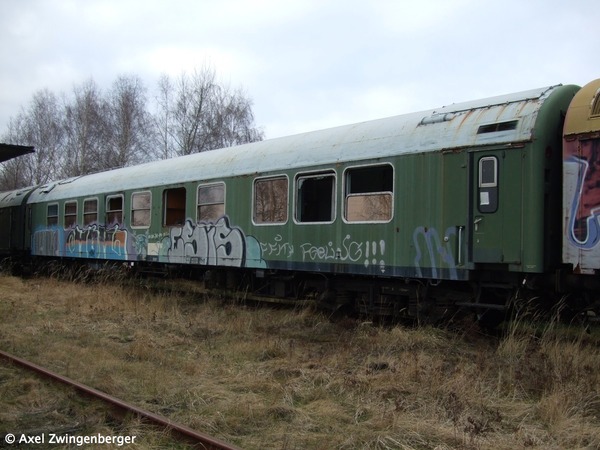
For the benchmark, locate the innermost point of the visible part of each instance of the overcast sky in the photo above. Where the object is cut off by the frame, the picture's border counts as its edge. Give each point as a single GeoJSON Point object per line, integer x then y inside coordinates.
{"type": "Point", "coordinates": [306, 64]}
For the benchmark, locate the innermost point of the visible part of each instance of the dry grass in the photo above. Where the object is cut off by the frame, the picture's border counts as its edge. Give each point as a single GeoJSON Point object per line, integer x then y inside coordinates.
{"type": "Point", "coordinates": [265, 378]}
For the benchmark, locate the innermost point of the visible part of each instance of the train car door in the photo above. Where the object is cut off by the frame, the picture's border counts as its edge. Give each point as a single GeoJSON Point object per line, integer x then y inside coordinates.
{"type": "Point", "coordinates": [496, 199]}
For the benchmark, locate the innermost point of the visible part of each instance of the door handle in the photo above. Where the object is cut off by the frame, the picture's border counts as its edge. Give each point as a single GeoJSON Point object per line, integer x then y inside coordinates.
{"type": "Point", "coordinates": [476, 222]}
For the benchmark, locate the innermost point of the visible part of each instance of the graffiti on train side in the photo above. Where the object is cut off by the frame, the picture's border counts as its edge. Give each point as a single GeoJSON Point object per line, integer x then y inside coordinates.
{"type": "Point", "coordinates": [98, 241]}
{"type": "Point", "coordinates": [582, 190]}
{"type": "Point", "coordinates": [434, 255]}
{"type": "Point", "coordinates": [216, 243]}
{"type": "Point", "coordinates": [208, 243]}
{"type": "Point", "coordinates": [47, 242]}
{"type": "Point", "coordinates": [368, 253]}
{"type": "Point", "coordinates": [277, 248]}
{"type": "Point", "coordinates": [221, 244]}
{"type": "Point", "coordinates": [93, 241]}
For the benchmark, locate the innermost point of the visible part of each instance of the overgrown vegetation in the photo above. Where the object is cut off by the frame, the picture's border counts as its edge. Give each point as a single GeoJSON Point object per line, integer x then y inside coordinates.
{"type": "Point", "coordinates": [265, 378]}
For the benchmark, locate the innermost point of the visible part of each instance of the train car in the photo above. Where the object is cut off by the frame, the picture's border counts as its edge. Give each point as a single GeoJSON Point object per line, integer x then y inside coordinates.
{"type": "Point", "coordinates": [389, 216]}
{"type": "Point", "coordinates": [14, 240]}
{"type": "Point", "coordinates": [14, 227]}
{"type": "Point", "coordinates": [581, 182]}
{"type": "Point", "coordinates": [408, 215]}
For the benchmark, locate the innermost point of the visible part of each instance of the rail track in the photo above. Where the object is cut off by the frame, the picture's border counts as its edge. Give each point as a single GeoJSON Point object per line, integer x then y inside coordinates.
{"type": "Point", "coordinates": [179, 431]}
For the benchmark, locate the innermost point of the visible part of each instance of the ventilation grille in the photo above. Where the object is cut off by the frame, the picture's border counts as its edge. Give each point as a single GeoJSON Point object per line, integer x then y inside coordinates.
{"type": "Point", "coordinates": [499, 126]}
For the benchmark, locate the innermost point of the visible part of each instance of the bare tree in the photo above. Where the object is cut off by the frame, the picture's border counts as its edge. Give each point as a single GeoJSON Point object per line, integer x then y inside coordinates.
{"type": "Point", "coordinates": [234, 120]}
{"type": "Point", "coordinates": [44, 131]}
{"type": "Point", "coordinates": [14, 173]}
{"type": "Point", "coordinates": [162, 119]}
{"type": "Point", "coordinates": [129, 131]}
{"type": "Point", "coordinates": [40, 126]}
{"type": "Point", "coordinates": [204, 115]}
{"type": "Point", "coordinates": [192, 110]}
{"type": "Point", "coordinates": [86, 130]}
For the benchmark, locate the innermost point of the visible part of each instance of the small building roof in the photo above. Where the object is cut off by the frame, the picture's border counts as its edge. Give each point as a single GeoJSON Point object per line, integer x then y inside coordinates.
{"type": "Point", "coordinates": [9, 151]}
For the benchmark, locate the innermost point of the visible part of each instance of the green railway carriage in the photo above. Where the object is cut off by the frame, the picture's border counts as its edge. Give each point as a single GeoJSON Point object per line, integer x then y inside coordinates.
{"type": "Point", "coordinates": [469, 191]}
{"type": "Point", "coordinates": [428, 194]}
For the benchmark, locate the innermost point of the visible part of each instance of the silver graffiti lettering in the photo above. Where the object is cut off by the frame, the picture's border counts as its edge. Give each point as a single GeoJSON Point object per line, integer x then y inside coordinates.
{"type": "Point", "coordinates": [349, 251]}
{"type": "Point", "coordinates": [277, 248]}
{"type": "Point", "coordinates": [207, 243]}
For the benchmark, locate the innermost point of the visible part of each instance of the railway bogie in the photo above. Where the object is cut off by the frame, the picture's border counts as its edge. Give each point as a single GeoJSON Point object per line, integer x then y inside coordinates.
{"type": "Point", "coordinates": [416, 215]}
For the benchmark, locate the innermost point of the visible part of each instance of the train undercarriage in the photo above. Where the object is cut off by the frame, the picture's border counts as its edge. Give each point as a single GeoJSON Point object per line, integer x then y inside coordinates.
{"type": "Point", "coordinates": [490, 300]}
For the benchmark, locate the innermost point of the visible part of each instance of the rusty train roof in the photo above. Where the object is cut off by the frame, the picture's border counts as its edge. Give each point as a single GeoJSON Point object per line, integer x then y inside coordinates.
{"type": "Point", "coordinates": [498, 120]}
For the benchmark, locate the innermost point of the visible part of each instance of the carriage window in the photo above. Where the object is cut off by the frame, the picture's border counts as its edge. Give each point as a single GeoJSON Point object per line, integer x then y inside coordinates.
{"type": "Point", "coordinates": [174, 207]}
{"type": "Point", "coordinates": [488, 184]}
{"type": "Point", "coordinates": [270, 200]}
{"type": "Point", "coordinates": [141, 203]}
{"type": "Point", "coordinates": [369, 194]}
{"type": "Point", "coordinates": [596, 105]}
{"type": "Point", "coordinates": [211, 202]}
{"type": "Point", "coordinates": [499, 126]}
{"type": "Point", "coordinates": [114, 209]}
{"type": "Point", "coordinates": [70, 214]}
{"type": "Point", "coordinates": [488, 171]}
{"type": "Point", "coordinates": [52, 215]}
{"type": "Point", "coordinates": [315, 196]}
{"type": "Point", "coordinates": [90, 211]}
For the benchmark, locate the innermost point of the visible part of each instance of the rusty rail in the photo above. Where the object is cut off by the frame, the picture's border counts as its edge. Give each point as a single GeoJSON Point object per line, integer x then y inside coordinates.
{"type": "Point", "coordinates": [202, 441]}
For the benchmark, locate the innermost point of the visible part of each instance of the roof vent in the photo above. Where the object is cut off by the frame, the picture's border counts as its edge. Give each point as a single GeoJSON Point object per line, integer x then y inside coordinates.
{"type": "Point", "coordinates": [596, 105]}
{"type": "Point", "coordinates": [437, 118]}
{"type": "Point", "coordinates": [47, 188]}
{"type": "Point", "coordinates": [498, 126]}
